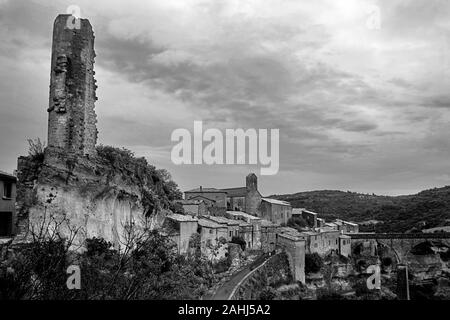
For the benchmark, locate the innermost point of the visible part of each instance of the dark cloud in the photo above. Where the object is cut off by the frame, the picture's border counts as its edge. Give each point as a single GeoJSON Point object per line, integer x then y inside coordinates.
{"type": "Point", "coordinates": [341, 122]}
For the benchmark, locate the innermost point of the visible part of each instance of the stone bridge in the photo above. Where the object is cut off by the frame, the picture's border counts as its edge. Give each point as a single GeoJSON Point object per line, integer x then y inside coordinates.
{"type": "Point", "coordinates": [400, 243]}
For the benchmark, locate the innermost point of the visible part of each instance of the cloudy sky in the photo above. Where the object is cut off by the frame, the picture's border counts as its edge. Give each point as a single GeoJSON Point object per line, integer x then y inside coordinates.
{"type": "Point", "coordinates": [361, 105]}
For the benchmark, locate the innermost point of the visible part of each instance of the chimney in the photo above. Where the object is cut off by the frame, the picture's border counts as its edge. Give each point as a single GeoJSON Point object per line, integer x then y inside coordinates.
{"type": "Point", "coordinates": [201, 189]}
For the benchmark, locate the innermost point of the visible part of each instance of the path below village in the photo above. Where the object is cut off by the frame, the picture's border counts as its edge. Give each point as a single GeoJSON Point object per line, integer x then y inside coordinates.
{"type": "Point", "coordinates": [224, 291]}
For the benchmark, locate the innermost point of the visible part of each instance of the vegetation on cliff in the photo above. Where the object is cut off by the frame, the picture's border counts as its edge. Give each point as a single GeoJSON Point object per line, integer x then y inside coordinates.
{"type": "Point", "coordinates": [427, 209]}
{"type": "Point", "coordinates": [148, 268]}
{"type": "Point", "coordinates": [157, 187]}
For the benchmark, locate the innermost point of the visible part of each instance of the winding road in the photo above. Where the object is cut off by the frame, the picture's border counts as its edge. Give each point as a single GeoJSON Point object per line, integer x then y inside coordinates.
{"type": "Point", "coordinates": [224, 292]}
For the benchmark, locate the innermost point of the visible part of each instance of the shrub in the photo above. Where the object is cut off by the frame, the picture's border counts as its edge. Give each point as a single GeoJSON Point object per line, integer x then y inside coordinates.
{"type": "Point", "coordinates": [313, 262]}
{"type": "Point", "coordinates": [36, 150]}
{"type": "Point", "coordinates": [297, 223]}
{"type": "Point", "coordinates": [157, 187]}
{"type": "Point", "coordinates": [268, 293]}
{"type": "Point", "coordinates": [387, 261]}
{"type": "Point", "coordinates": [149, 269]}
{"type": "Point", "coordinates": [240, 241]}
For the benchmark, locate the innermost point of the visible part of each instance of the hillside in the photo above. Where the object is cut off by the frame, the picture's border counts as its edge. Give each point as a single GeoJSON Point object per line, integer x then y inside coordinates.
{"type": "Point", "coordinates": [427, 209]}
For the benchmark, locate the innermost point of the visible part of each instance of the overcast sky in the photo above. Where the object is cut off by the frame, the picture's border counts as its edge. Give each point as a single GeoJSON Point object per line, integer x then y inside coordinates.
{"type": "Point", "coordinates": [358, 108]}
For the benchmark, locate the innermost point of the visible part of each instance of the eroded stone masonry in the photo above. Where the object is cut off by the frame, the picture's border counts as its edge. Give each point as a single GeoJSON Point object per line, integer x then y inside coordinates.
{"type": "Point", "coordinates": [72, 119]}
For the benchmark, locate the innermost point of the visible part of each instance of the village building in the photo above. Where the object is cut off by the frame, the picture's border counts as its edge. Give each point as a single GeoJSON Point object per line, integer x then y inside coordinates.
{"type": "Point", "coordinates": [213, 197]}
{"type": "Point", "coordinates": [7, 204]}
{"type": "Point", "coordinates": [320, 223]}
{"type": "Point", "coordinates": [276, 211]}
{"type": "Point", "coordinates": [232, 225]}
{"type": "Point", "coordinates": [346, 226]}
{"type": "Point", "coordinates": [246, 233]}
{"type": "Point", "coordinates": [246, 199]}
{"type": "Point", "coordinates": [269, 233]}
{"type": "Point", "coordinates": [326, 240]}
{"type": "Point", "coordinates": [211, 232]}
{"type": "Point", "coordinates": [253, 242]}
{"type": "Point", "coordinates": [345, 245]}
{"type": "Point", "coordinates": [180, 229]}
{"type": "Point", "coordinates": [194, 207]}
{"type": "Point", "coordinates": [309, 216]}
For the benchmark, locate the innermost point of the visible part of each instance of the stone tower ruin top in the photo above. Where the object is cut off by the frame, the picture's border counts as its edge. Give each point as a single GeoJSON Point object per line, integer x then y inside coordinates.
{"type": "Point", "coordinates": [72, 119]}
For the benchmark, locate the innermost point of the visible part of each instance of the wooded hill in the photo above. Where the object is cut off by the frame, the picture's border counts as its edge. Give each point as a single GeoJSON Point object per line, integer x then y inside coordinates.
{"type": "Point", "coordinates": [410, 213]}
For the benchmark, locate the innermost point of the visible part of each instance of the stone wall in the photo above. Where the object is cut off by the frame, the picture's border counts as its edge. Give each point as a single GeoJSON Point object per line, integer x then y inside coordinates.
{"type": "Point", "coordinates": [295, 250]}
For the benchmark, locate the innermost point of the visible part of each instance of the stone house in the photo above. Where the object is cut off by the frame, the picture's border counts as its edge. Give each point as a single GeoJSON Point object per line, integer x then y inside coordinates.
{"type": "Point", "coordinates": [255, 240]}
{"type": "Point", "coordinates": [320, 223]}
{"type": "Point", "coordinates": [7, 204]}
{"type": "Point", "coordinates": [180, 228]}
{"type": "Point", "coordinates": [322, 240]}
{"type": "Point", "coordinates": [213, 198]}
{"type": "Point", "coordinates": [310, 218]}
{"type": "Point", "coordinates": [194, 207]}
{"type": "Point", "coordinates": [246, 233]}
{"type": "Point", "coordinates": [269, 233]}
{"type": "Point", "coordinates": [211, 232]}
{"type": "Point", "coordinates": [346, 226]}
{"type": "Point", "coordinates": [345, 245]}
{"type": "Point", "coordinates": [232, 225]}
{"type": "Point", "coordinates": [276, 211]}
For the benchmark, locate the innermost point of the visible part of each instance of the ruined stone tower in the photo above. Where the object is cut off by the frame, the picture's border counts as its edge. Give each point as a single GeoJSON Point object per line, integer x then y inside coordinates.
{"type": "Point", "coordinates": [72, 120]}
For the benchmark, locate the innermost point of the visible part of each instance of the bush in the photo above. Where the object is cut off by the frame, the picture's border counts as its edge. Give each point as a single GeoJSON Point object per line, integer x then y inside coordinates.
{"type": "Point", "coordinates": [268, 293]}
{"type": "Point", "coordinates": [36, 150]}
{"type": "Point", "coordinates": [387, 261]}
{"type": "Point", "coordinates": [240, 241]}
{"type": "Point", "coordinates": [297, 222]}
{"type": "Point", "coordinates": [157, 187]}
{"type": "Point", "coordinates": [313, 262]}
{"type": "Point", "coordinates": [149, 269]}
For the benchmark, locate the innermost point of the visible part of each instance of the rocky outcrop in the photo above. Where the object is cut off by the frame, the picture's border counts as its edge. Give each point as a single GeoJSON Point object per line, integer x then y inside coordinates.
{"type": "Point", "coordinates": [91, 196]}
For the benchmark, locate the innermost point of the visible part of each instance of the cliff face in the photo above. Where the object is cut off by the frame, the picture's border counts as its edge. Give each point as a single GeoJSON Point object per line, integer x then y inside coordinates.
{"type": "Point", "coordinates": [93, 196]}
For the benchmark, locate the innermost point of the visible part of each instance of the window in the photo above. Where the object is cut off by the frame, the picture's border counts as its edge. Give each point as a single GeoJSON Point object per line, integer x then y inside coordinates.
{"type": "Point", "coordinates": [210, 231]}
{"type": "Point", "coordinates": [231, 233]}
{"type": "Point", "coordinates": [7, 190]}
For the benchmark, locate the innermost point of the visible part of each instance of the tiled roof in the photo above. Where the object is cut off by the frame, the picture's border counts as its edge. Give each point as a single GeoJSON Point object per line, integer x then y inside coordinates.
{"type": "Point", "coordinates": [209, 224]}
{"type": "Point", "coordinates": [309, 233]}
{"type": "Point", "coordinates": [182, 217]}
{"type": "Point", "coordinates": [279, 202]}
{"type": "Point", "coordinates": [291, 236]}
{"type": "Point", "coordinates": [223, 220]}
{"type": "Point", "coordinates": [236, 192]}
{"type": "Point", "coordinates": [202, 197]}
{"type": "Point", "coordinates": [8, 176]}
{"type": "Point", "coordinates": [310, 212]}
{"type": "Point", "coordinates": [243, 214]}
{"type": "Point", "coordinates": [190, 201]}
{"type": "Point", "coordinates": [206, 190]}
{"type": "Point", "coordinates": [267, 223]}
